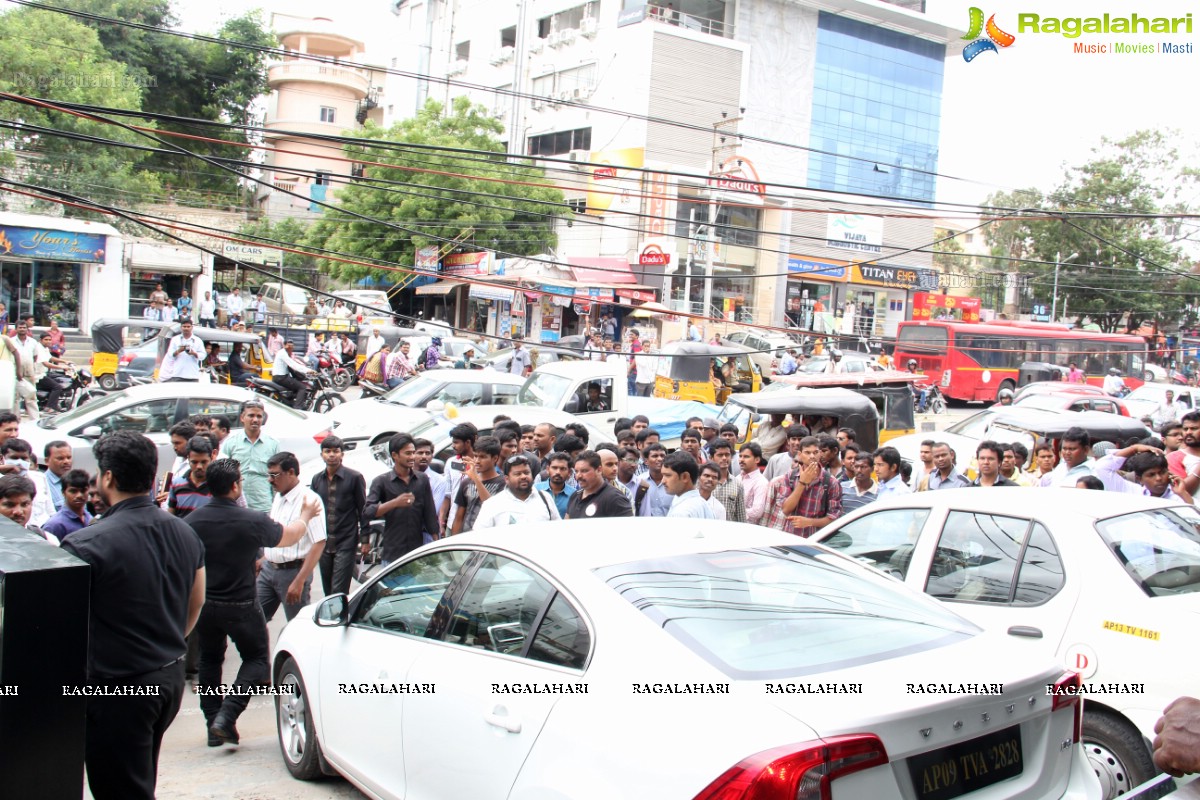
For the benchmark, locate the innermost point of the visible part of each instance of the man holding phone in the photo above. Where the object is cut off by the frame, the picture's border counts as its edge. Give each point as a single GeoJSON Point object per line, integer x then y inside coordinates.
{"type": "Point", "coordinates": [403, 499]}
{"type": "Point", "coordinates": [186, 350]}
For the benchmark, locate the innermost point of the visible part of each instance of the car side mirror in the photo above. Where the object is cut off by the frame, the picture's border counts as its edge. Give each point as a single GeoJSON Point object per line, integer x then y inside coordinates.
{"type": "Point", "coordinates": [91, 432]}
{"type": "Point", "coordinates": [333, 612]}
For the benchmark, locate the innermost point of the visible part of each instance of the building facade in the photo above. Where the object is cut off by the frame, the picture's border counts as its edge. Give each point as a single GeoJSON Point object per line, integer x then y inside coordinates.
{"type": "Point", "coordinates": [806, 137]}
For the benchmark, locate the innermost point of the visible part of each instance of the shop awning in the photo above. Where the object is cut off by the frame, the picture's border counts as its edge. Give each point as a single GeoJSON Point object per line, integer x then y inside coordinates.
{"type": "Point", "coordinates": [601, 271]}
{"type": "Point", "coordinates": [484, 292]}
{"type": "Point", "coordinates": [439, 289]}
{"type": "Point", "coordinates": [153, 257]}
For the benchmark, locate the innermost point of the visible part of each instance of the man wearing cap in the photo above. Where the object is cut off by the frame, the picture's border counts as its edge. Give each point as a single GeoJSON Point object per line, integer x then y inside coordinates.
{"type": "Point", "coordinates": [521, 364]}
{"type": "Point", "coordinates": [709, 432]}
{"type": "Point", "coordinates": [465, 361]}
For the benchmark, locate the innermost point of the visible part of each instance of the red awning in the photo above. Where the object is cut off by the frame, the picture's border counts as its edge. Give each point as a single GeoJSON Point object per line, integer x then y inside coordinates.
{"type": "Point", "coordinates": [601, 271]}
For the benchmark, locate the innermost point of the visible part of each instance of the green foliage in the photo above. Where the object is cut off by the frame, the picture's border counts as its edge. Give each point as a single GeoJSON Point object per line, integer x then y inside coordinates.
{"type": "Point", "coordinates": [503, 219]}
{"type": "Point", "coordinates": [1128, 271]}
{"type": "Point", "coordinates": [283, 233]}
{"type": "Point", "coordinates": [47, 55]}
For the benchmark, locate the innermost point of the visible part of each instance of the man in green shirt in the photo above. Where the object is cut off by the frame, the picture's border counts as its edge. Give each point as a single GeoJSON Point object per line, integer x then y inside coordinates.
{"type": "Point", "coordinates": [252, 449]}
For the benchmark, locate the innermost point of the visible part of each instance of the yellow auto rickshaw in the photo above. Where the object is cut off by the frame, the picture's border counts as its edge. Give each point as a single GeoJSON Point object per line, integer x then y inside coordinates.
{"type": "Point", "coordinates": [108, 340]}
{"type": "Point", "coordinates": [705, 373]}
{"type": "Point", "coordinates": [890, 391]}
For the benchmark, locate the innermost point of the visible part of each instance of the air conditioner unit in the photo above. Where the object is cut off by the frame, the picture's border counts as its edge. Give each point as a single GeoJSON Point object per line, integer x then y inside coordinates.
{"type": "Point", "coordinates": [566, 94]}
{"type": "Point", "coordinates": [458, 67]}
{"type": "Point", "coordinates": [581, 156]}
{"type": "Point", "coordinates": [506, 53]}
{"type": "Point", "coordinates": [568, 36]}
{"type": "Point", "coordinates": [554, 39]}
{"type": "Point", "coordinates": [536, 105]}
{"type": "Point", "coordinates": [537, 46]}
{"type": "Point", "coordinates": [579, 93]}
{"type": "Point", "coordinates": [588, 27]}
{"type": "Point", "coordinates": [496, 59]}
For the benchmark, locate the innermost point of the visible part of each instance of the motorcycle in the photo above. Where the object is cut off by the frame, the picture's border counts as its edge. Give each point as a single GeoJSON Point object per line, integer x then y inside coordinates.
{"type": "Point", "coordinates": [75, 389]}
{"type": "Point", "coordinates": [370, 389]}
{"type": "Point", "coordinates": [935, 402]}
{"type": "Point", "coordinates": [339, 377]}
{"type": "Point", "coordinates": [321, 396]}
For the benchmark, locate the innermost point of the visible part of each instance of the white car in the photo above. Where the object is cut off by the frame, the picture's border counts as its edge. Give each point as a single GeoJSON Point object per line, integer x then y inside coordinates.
{"type": "Point", "coordinates": [1106, 582]}
{"type": "Point", "coordinates": [370, 303]}
{"type": "Point", "coordinates": [705, 659]}
{"type": "Point", "coordinates": [366, 436]}
{"type": "Point", "coordinates": [151, 409]}
{"type": "Point", "coordinates": [768, 348]}
{"type": "Point", "coordinates": [1145, 400]}
{"type": "Point", "coordinates": [461, 387]}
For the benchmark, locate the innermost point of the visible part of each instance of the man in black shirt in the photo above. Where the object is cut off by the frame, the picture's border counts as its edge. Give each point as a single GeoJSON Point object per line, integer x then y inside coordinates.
{"type": "Point", "coordinates": [147, 588]}
{"type": "Point", "coordinates": [596, 497]}
{"type": "Point", "coordinates": [344, 492]}
{"type": "Point", "coordinates": [232, 536]}
{"type": "Point", "coordinates": [403, 499]}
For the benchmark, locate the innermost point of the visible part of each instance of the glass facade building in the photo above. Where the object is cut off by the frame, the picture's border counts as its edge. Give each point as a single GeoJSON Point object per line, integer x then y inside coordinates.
{"type": "Point", "coordinates": [877, 98]}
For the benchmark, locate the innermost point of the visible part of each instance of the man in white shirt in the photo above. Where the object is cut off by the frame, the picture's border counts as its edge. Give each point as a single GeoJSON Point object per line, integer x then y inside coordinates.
{"type": "Point", "coordinates": [374, 342]}
{"type": "Point", "coordinates": [18, 453]}
{"type": "Point", "coordinates": [887, 473]}
{"type": "Point", "coordinates": [287, 371]}
{"type": "Point", "coordinates": [710, 474]}
{"type": "Point", "coordinates": [1075, 462]}
{"type": "Point", "coordinates": [646, 367]}
{"type": "Point", "coordinates": [286, 572]}
{"type": "Point", "coordinates": [234, 305]}
{"type": "Point", "coordinates": [519, 503]}
{"type": "Point", "coordinates": [680, 475]}
{"type": "Point", "coordinates": [32, 353]}
{"type": "Point", "coordinates": [187, 350]}
{"type": "Point", "coordinates": [208, 311]}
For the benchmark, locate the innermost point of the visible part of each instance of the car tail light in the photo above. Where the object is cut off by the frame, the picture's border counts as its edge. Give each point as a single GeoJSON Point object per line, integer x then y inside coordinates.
{"type": "Point", "coordinates": [320, 437]}
{"type": "Point", "coordinates": [1066, 695]}
{"type": "Point", "coordinates": [127, 358]}
{"type": "Point", "coordinates": [797, 772]}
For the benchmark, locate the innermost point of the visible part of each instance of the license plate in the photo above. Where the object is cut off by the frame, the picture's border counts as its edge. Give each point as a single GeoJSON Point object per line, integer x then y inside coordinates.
{"type": "Point", "coordinates": [967, 766]}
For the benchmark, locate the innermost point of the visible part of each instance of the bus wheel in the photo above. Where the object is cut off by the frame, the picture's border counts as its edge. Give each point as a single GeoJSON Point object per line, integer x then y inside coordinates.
{"type": "Point", "coordinates": [1012, 387]}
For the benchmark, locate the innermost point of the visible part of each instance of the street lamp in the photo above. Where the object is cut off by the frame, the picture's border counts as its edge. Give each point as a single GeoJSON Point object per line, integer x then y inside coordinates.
{"type": "Point", "coordinates": [1058, 262]}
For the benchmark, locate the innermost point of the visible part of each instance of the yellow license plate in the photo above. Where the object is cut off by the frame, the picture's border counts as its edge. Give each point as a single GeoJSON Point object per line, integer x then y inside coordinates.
{"type": "Point", "coordinates": [965, 767]}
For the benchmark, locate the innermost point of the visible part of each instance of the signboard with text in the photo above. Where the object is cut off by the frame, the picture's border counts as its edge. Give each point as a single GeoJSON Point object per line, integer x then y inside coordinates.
{"type": "Point", "coordinates": [817, 270]}
{"type": "Point", "coordinates": [856, 232]}
{"type": "Point", "coordinates": [51, 245]}
{"type": "Point", "coordinates": [467, 264]}
{"type": "Point", "coordinates": [253, 254]}
{"type": "Point", "coordinates": [894, 277]}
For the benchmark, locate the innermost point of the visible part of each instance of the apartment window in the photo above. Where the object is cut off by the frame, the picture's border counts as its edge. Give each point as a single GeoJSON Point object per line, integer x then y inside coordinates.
{"type": "Point", "coordinates": [501, 101]}
{"type": "Point", "coordinates": [970, 238]}
{"type": "Point", "coordinates": [583, 77]}
{"type": "Point", "coordinates": [321, 177]}
{"type": "Point", "coordinates": [556, 144]}
{"type": "Point", "coordinates": [570, 18]}
{"type": "Point", "coordinates": [328, 114]}
{"type": "Point", "coordinates": [508, 36]}
{"type": "Point", "coordinates": [578, 205]}
{"type": "Point", "coordinates": [462, 51]}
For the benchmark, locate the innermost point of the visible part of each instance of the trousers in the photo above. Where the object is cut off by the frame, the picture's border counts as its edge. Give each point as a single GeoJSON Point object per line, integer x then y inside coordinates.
{"type": "Point", "coordinates": [271, 590]}
{"type": "Point", "coordinates": [245, 625]}
{"type": "Point", "coordinates": [337, 564]}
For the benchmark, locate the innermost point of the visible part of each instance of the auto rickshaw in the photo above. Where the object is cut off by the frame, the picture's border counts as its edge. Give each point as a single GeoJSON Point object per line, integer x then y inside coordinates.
{"type": "Point", "coordinates": [705, 373]}
{"type": "Point", "coordinates": [254, 356]}
{"type": "Point", "coordinates": [847, 408]}
{"type": "Point", "coordinates": [108, 339]}
{"type": "Point", "coordinates": [391, 335]}
{"type": "Point", "coordinates": [890, 391]}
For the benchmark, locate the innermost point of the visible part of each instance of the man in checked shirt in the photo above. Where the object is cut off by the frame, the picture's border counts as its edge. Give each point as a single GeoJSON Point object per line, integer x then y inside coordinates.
{"type": "Point", "coordinates": [806, 498]}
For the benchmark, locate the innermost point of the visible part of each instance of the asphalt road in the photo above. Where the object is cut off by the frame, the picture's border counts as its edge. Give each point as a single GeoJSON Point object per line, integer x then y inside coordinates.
{"type": "Point", "coordinates": [254, 770]}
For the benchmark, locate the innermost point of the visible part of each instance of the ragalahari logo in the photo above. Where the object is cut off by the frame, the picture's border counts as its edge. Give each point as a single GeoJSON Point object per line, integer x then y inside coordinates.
{"type": "Point", "coordinates": [995, 37]}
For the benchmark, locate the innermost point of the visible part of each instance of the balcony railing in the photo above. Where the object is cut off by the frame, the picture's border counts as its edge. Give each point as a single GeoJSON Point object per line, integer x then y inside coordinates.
{"type": "Point", "coordinates": [692, 22]}
{"type": "Point", "coordinates": [357, 80]}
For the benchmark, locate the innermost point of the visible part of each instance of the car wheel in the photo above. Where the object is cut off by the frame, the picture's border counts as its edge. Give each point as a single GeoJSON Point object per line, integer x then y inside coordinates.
{"type": "Point", "coordinates": [108, 382]}
{"type": "Point", "coordinates": [297, 733]}
{"type": "Point", "coordinates": [1117, 754]}
{"type": "Point", "coordinates": [1148, 376]}
{"type": "Point", "coordinates": [326, 402]}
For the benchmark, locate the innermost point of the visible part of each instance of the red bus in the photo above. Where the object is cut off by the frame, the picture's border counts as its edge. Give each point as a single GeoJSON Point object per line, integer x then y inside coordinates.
{"type": "Point", "coordinates": [976, 360]}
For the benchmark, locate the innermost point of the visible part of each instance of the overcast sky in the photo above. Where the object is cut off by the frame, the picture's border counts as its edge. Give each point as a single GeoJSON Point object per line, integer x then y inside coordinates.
{"type": "Point", "coordinates": [1010, 119]}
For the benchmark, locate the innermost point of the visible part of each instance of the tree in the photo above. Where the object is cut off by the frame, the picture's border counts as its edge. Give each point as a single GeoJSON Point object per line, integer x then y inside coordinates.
{"type": "Point", "coordinates": [33, 45]}
{"type": "Point", "coordinates": [470, 206]}
{"type": "Point", "coordinates": [297, 267]}
{"type": "Point", "coordinates": [1009, 236]}
{"type": "Point", "coordinates": [189, 79]}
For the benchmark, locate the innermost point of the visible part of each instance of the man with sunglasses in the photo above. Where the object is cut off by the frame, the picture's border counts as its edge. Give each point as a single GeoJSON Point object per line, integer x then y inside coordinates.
{"type": "Point", "coordinates": [285, 574]}
{"type": "Point", "coordinates": [519, 503]}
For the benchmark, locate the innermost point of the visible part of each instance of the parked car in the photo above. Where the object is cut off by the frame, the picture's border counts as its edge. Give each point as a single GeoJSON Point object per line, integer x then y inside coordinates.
{"type": "Point", "coordinates": [768, 348]}
{"type": "Point", "coordinates": [1058, 387]}
{"type": "Point", "coordinates": [591, 661]}
{"type": "Point", "coordinates": [370, 303]}
{"type": "Point", "coordinates": [851, 362]}
{"type": "Point", "coordinates": [461, 387]}
{"type": "Point", "coordinates": [284, 298]}
{"type": "Point", "coordinates": [1109, 584]}
{"type": "Point", "coordinates": [1073, 401]}
{"type": "Point", "coordinates": [138, 361]}
{"type": "Point", "coordinates": [152, 409]}
{"type": "Point", "coordinates": [539, 353]}
{"type": "Point", "coordinates": [1145, 400]}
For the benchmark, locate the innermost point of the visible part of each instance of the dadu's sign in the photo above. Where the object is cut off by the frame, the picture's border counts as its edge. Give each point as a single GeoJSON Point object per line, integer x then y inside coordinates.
{"type": "Point", "coordinates": [653, 255]}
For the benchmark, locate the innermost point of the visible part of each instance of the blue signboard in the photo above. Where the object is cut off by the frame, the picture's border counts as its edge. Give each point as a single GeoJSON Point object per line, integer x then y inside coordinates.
{"type": "Point", "coordinates": [563, 291]}
{"type": "Point", "coordinates": [818, 269]}
{"type": "Point", "coordinates": [51, 245]}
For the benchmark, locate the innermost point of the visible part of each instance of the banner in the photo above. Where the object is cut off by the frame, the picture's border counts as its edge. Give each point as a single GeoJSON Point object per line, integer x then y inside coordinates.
{"type": "Point", "coordinates": [854, 232]}
{"type": "Point", "coordinates": [611, 186]}
{"type": "Point", "coordinates": [51, 245]}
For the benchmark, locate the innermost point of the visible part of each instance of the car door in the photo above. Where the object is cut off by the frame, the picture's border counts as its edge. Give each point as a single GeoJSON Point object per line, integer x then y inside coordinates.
{"type": "Point", "coordinates": [390, 621]}
{"type": "Point", "coordinates": [1001, 572]}
{"type": "Point", "coordinates": [460, 393]}
{"type": "Point", "coordinates": [511, 630]}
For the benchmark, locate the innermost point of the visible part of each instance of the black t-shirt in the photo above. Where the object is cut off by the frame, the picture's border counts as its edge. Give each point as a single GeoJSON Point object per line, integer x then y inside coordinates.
{"type": "Point", "coordinates": [144, 563]}
{"type": "Point", "coordinates": [232, 536]}
{"type": "Point", "coordinates": [468, 498]}
{"type": "Point", "coordinates": [607, 502]}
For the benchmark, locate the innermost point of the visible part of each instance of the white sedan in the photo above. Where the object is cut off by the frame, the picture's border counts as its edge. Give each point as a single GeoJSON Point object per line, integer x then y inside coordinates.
{"type": "Point", "coordinates": [1108, 583]}
{"type": "Point", "coordinates": [151, 409]}
{"type": "Point", "coordinates": [459, 387]}
{"type": "Point", "coordinates": [705, 659]}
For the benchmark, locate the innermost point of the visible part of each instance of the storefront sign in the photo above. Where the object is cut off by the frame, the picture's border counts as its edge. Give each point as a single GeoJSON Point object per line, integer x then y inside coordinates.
{"type": "Point", "coordinates": [854, 232]}
{"type": "Point", "coordinates": [51, 245]}
{"type": "Point", "coordinates": [466, 264]}
{"type": "Point", "coordinates": [631, 16]}
{"type": "Point", "coordinates": [894, 277]}
{"type": "Point", "coordinates": [636, 294]}
{"type": "Point", "coordinates": [658, 204]}
{"type": "Point", "coordinates": [427, 258]}
{"type": "Point", "coordinates": [253, 254]}
{"type": "Point", "coordinates": [653, 255]}
{"type": "Point", "coordinates": [817, 270]}
{"type": "Point", "coordinates": [600, 295]}
{"type": "Point", "coordinates": [927, 305]}
{"type": "Point", "coordinates": [500, 293]}
{"type": "Point", "coordinates": [605, 193]}
{"type": "Point", "coordinates": [738, 175]}
{"type": "Point", "coordinates": [564, 291]}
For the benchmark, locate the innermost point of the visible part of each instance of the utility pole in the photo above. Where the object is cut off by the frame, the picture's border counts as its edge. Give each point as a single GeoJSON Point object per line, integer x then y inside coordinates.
{"type": "Point", "coordinates": [515, 145]}
{"type": "Point", "coordinates": [1058, 262]}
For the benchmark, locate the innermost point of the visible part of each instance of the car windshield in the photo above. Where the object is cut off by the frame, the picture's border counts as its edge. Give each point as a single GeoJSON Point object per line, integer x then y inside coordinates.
{"type": "Point", "coordinates": [1159, 548]}
{"type": "Point", "coordinates": [544, 390]}
{"type": "Point", "coordinates": [1154, 394]}
{"type": "Point", "coordinates": [69, 418]}
{"type": "Point", "coordinates": [414, 391]}
{"type": "Point", "coordinates": [973, 426]}
{"type": "Point", "coordinates": [777, 612]}
{"type": "Point", "coordinates": [294, 296]}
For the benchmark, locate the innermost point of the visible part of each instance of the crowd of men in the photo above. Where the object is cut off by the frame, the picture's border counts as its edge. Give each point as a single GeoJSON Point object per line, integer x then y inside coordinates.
{"type": "Point", "coordinates": [233, 534]}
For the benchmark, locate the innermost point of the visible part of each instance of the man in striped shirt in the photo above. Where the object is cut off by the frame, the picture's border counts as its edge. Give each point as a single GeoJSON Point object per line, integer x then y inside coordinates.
{"type": "Point", "coordinates": [861, 489]}
{"type": "Point", "coordinates": [728, 491]}
{"type": "Point", "coordinates": [190, 490]}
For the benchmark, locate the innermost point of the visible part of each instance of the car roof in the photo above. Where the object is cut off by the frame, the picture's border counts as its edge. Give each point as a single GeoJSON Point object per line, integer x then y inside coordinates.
{"type": "Point", "coordinates": [150, 391]}
{"type": "Point", "coordinates": [588, 544]}
{"type": "Point", "coordinates": [1098, 424]}
{"type": "Point", "coordinates": [806, 400]}
{"type": "Point", "coordinates": [473, 376]}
